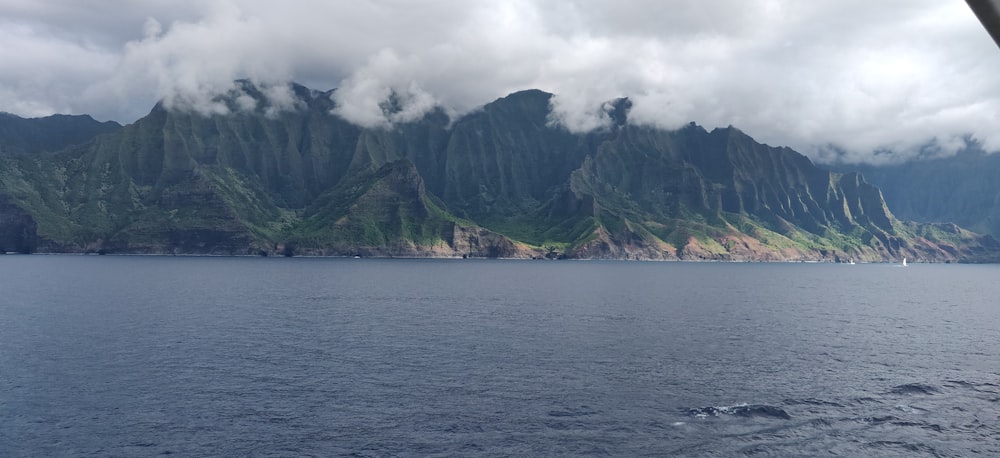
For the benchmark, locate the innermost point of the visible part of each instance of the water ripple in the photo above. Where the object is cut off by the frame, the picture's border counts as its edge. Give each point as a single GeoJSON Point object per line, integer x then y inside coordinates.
{"type": "Point", "coordinates": [133, 356]}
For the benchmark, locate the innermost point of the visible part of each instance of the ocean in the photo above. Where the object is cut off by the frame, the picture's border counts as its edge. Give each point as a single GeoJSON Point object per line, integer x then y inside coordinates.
{"type": "Point", "coordinates": [196, 356]}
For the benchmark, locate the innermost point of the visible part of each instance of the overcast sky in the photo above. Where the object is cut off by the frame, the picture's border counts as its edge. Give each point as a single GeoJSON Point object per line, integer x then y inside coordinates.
{"type": "Point", "coordinates": [855, 75]}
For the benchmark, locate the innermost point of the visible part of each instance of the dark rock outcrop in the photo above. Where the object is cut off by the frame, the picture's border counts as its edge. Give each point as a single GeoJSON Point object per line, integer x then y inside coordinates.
{"type": "Point", "coordinates": [18, 230]}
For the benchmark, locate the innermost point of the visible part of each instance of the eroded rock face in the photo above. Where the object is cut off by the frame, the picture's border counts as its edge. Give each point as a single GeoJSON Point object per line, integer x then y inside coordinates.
{"type": "Point", "coordinates": [962, 188]}
{"type": "Point", "coordinates": [481, 243]}
{"type": "Point", "coordinates": [503, 181]}
{"type": "Point", "coordinates": [18, 230]}
{"type": "Point", "coordinates": [629, 246]}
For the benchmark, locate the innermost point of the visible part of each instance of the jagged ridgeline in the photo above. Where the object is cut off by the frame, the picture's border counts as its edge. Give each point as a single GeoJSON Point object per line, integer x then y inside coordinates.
{"type": "Point", "coordinates": [962, 188]}
{"type": "Point", "coordinates": [503, 181]}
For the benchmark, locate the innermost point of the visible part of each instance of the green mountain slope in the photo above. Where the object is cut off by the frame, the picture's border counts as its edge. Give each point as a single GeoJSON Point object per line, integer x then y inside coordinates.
{"type": "Point", "coordinates": [51, 133]}
{"type": "Point", "coordinates": [503, 181]}
{"type": "Point", "coordinates": [962, 189]}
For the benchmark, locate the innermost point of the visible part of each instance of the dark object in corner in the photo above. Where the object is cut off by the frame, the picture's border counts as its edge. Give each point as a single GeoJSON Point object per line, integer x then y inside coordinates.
{"type": "Point", "coordinates": [988, 12]}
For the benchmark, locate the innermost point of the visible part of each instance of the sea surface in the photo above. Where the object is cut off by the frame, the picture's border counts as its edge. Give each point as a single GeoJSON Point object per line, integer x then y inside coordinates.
{"type": "Point", "coordinates": [146, 356]}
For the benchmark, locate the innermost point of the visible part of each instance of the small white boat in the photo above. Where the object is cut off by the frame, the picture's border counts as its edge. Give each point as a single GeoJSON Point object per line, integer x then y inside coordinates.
{"type": "Point", "coordinates": [904, 262]}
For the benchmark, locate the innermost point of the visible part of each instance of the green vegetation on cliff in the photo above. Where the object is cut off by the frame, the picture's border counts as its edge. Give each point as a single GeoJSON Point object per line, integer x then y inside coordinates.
{"type": "Point", "coordinates": [961, 189]}
{"type": "Point", "coordinates": [501, 181]}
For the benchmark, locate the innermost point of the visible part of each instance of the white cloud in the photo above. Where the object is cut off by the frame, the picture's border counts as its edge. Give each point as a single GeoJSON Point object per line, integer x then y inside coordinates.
{"type": "Point", "coordinates": [383, 92]}
{"type": "Point", "coordinates": [41, 74]}
{"type": "Point", "coordinates": [280, 98]}
{"type": "Point", "coordinates": [246, 102]}
{"type": "Point", "coordinates": [820, 76]}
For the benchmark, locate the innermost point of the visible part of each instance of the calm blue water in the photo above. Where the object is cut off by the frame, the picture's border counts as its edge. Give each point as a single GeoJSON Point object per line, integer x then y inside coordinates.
{"type": "Point", "coordinates": [136, 356]}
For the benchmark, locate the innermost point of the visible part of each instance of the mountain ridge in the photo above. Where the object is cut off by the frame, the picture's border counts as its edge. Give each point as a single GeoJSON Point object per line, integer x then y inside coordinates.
{"type": "Point", "coordinates": [50, 133]}
{"type": "Point", "coordinates": [289, 177]}
{"type": "Point", "coordinates": [961, 188]}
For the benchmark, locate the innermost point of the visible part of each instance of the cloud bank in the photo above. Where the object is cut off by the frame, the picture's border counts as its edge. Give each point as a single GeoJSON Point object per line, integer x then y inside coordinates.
{"type": "Point", "coordinates": [834, 79]}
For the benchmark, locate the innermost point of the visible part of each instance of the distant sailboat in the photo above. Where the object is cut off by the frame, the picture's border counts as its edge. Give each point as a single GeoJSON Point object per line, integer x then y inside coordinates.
{"type": "Point", "coordinates": [904, 262]}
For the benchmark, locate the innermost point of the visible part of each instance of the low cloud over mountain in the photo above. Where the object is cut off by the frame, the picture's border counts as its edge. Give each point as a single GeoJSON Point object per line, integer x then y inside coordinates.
{"type": "Point", "coordinates": [834, 79]}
